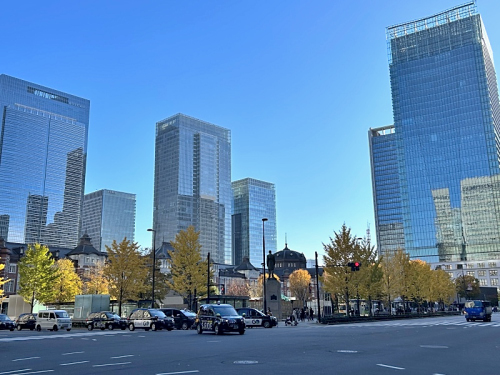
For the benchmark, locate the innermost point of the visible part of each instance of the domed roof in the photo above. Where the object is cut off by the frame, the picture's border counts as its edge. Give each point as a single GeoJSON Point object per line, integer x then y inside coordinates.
{"type": "Point", "coordinates": [290, 255]}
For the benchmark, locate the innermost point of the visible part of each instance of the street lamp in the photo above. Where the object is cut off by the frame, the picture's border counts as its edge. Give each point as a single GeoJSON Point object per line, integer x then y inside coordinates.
{"type": "Point", "coordinates": [264, 264]}
{"type": "Point", "coordinates": [154, 267]}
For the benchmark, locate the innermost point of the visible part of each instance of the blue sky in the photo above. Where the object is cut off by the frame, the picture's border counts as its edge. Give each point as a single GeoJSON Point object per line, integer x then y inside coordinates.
{"type": "Point", "coordinates": [298, 83]}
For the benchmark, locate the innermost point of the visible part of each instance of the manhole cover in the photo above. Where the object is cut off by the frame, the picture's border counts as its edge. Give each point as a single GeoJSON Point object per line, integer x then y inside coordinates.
{"type": "Point", "coordinates": [245, 362]}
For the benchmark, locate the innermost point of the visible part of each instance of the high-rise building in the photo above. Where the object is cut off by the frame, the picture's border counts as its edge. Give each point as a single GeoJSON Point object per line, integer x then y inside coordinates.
{"type": "Point", "coordinates": [253, 200]}
{"type": "Point", "coordinates": [43, 146]}
{"type": "Point", "coordinates": [108, 215]}
{"type": "Point", "coordinates": [193, 183]}
{"type": "Point", "coordinates": [445, 145]}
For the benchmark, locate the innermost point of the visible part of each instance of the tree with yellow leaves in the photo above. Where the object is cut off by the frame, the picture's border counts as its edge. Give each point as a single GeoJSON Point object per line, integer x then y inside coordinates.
{"type": "Point", "coordinates": [68, 284]}
{"type": "Point", "coordinates": [94, 281]}
{"type": "Point", "coordinates": [2, 282]}
{"type": "Point", "coordinates": [299, 285]}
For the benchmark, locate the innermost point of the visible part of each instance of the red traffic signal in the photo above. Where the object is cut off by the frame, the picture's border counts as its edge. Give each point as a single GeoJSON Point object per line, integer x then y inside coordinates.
{"type": "Point", "coordinates": [354, 266]}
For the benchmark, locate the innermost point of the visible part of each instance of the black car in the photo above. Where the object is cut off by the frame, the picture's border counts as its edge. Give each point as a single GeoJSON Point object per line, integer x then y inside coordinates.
{"type": "Point", "coordinates": [183, 319]}
{"type": "Point", "coordinates": [149, 319]}
{"type": "Point", "coordinates": [219, 318]}
{"type": "Point", "coordinates": [26, 321]}
{"type": "Point", "coordinates": [105, 320]}
{"type": "Point", "coordinates": [6, 323]}
{"type": "Point", "coordinates": [255, 318]}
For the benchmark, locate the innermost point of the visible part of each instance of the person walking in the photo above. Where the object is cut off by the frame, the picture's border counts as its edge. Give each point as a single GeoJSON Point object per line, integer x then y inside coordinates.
{"type": "Point", "coordinates": [311, 314]}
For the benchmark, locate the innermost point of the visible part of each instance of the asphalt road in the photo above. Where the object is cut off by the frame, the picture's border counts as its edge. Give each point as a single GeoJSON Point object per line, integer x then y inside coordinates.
{"type": "Point", "coordinates": [429, 346]}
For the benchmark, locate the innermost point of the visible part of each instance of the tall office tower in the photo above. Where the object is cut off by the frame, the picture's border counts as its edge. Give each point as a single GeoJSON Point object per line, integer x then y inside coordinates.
{"type": "Point", "coordinates": [447, 136]}
{"type": "Point", "coordinates": [193, 183]}
{"type": "Point", "coordinates": [108, 215]}
{"type": "Point", "coordinates": [43, 146]}
{"type": "Point", "coordinates": [253, 200]}
{"type": "Point", "coordinates": [386, 193]}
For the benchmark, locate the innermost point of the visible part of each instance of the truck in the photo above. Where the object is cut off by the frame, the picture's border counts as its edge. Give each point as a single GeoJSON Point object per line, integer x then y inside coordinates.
{"type": "Point", "coordinates": [477, 309]}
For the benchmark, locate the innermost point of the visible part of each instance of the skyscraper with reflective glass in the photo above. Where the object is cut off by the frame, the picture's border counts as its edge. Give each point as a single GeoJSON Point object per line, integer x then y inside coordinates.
{"type": "Point", "coordinates": [108, 215]}
{"type": "Point", "coordinates": [253, 201]}
{"type": "Point", "coordinates": [43, 147]}
{"type": "Point", "coordinates": [193, 183]}
{"type": "Point", "coordinates": [446, 141]}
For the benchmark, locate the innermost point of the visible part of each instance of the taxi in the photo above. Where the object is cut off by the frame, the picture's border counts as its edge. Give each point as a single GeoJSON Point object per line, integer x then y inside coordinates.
{"type": "Point", "coordinates": [219, 318]}
{"type": "Point", "coordinates": [255, 318]}
{"type": "Point", "coordinates": [149, 319]}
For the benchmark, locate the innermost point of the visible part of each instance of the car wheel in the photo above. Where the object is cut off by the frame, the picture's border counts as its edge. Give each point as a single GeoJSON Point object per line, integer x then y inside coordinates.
{"type": "Point", "coordinates": [55, 328]}
{"type": "Point", "coordinates": [131, 326]}
{"type": "Point", "coordinates": [217, 329]}
{"type": "Point", "coordinates": [468, 319]}
{"type": "Point", "coordinates": [111, 327]}
{"type": "Point", "coordinates": [68, 329]}
{"type": "Point", "coordinates": [19, 327]}
{"type": "Point", "coordinates": [153, 327]}
{"type": "Point", "coordinates": [199, 330]}
{"type": "Point", "coordinates": [38, 328]}
{"type": "Point", "coordinates": [169, 328]}
{"type": "Point", "coordinates": [267, 325]}
{"type": "Point", "coordinates": [184, 326]}
{"type": "Point", "coordinates": [241, 331]}
{"type": "Point", "coordinates": [90, 327]}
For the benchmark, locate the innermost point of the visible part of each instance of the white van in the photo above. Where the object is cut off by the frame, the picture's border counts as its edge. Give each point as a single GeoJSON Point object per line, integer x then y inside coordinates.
{"type": "Point", "coordinates": [53, 320]}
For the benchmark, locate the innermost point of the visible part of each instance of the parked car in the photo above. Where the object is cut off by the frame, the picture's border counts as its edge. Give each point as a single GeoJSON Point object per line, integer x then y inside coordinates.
{"type": "Point", "coordinates": [53, 320]}
{"type": "Point", "coordinates": [105, 320]}
{"type": "Point", "coordinates": [256, 318]}
{"type": "Point", "coordinates": [183, 319]}
{"type": "Point", "coordinates": [6, 323]}
{"type": "Point", "coordinates": [26, 321]}
{"type": "Point", "coordinates": [219, 318]}
{"type": "Point", "coordinates": [149, 319]}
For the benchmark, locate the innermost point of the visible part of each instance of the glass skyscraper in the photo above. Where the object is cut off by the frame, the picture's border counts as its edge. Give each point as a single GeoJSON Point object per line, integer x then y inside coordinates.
{"type": "Point", "coordinates": [193, 183]}
{"type": "Point", "coordinates": [43, 148]}
{"type": "Point", "coordinates": [108, 215]}
{"type": "Point", "coordinates": [446, 141]}
{"type": "Point", "coordinates": [253, 200]}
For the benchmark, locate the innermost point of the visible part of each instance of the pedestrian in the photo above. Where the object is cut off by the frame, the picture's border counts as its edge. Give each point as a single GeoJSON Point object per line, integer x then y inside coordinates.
{"type": "Point", "coordinates": [311, 314]}
{"type": "Point", "coordinates": [303, 314]}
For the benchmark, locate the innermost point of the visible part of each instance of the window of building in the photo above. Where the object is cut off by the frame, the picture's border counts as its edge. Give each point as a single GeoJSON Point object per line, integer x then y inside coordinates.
{"type": "Point", "coordinates": [494, 282]}
{"type": "Point", "coordinates": [471, 273]}
{"type": "Point", "coordinates": [493, 272]}
{"type": "Point", "coordinates": [492, 264]}
{"type": "Point", "coordinates": [483, 282]}
{"type": "Point", "coordinates": [12, 268]}
{"type": "Point", "coordinates": [481, 273]}
{"type": "Point", "coordinates": [480, 265]}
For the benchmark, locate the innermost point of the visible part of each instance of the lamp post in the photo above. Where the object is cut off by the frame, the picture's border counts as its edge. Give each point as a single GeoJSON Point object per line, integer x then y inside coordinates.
{"type": "Point", "coordinates": [208, 278]}
{"type": "Point", "coordinates": [264, 264]}
{"type": "Point", "coordinates": [317, 286]}
{"type": "Point", "coordinates": [154, 267]}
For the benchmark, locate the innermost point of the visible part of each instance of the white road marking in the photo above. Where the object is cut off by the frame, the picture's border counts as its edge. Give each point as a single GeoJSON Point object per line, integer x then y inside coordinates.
{"type": "Point", "coordinates": [347, 351]}
{"type": "Point", "coordinates": [122, 356]}
{"type": "Point", "coordinates": [72, 353]}
{"type": "Point", "coordinates": [112, 364]}
{"type": "Point", "coordinates": [434, 346]}
{"type": "Point", "coordinates": [37, 372]}
{"type": "Point", "coordinates": [14, 371]}
{"type": "Point", "coordinates": [24, 359]}
{"type": "Point", "coordinates": [178, 372]}
{"type": "Point", "coordinates": [81, 335]}
{"type": "Point", "coordinates": [394, 367]}
{"type": "Point", "coordinates": [72, 363]}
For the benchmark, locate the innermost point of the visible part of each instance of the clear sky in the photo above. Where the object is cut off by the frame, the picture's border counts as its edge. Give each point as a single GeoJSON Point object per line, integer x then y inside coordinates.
{"type": "Point", "coordinates": [298, 83]}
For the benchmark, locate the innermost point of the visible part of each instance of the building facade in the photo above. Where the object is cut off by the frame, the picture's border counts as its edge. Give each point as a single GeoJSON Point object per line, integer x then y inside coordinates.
{"type": "Point", "coordinates": [253, 200]}
{"type": "Point", "coordinates": [108, 215]}
{"type": "Point", "coordinates": [43, 147]}
{"type": "Point", "coordinates": [193, 184]}
{"type": "Point", "coordinates": [446, 141]}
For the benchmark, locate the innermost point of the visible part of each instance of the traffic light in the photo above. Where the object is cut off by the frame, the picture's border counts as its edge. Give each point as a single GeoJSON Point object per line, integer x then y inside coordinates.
{"type": "Point", "coordinates": [354, 266]}
{"type": "Point", "coordinates": [222, 289]}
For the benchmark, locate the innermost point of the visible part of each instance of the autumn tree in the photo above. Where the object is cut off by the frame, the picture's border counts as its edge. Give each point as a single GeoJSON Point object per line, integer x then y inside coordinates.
{"type": "Point", "coordinates": [37, 275]}
{"type": "Point", "coordinates": [188, 272]}
{"type": "Point", "coordinates": [68, 284]}
{"type": "Point", "coordinates": [126, 271]}
{"type": "Point", "coordinates": [442, 287]}
{"type": "Point", "coordinates": [94, 281]}
{"type": "Point", "coordinates": [342, 249]}
{"type": "Point", "coordinates": [420, 277]}
{"type": "Point", "coordinates": [467, 287]}
{"type": "Point", "coordinates": [237, 288]}
{"type": "Point", "coordinates": [2, 282]}
{"type": "Point", "coordinates": [299, 285]}
{"type": "Point", "coordinates": [257, 290]}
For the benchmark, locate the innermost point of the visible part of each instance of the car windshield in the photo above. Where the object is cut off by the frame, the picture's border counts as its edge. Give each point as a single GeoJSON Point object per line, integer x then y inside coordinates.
{"type": "Point", "coordinates": [473, 304]}
{"type": "Point", "coordinates": [157, 313]}
{"type": "Point", "coordinates": [4, 317]}
{"type": "Point", "coordinates": [62, 314]}
{"type": "Point", "coordinates": [225, 310]}
{"type": "Point", "coordinates": [112, 316]}
{"type": "Point", "coordinates": [189, 314]}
